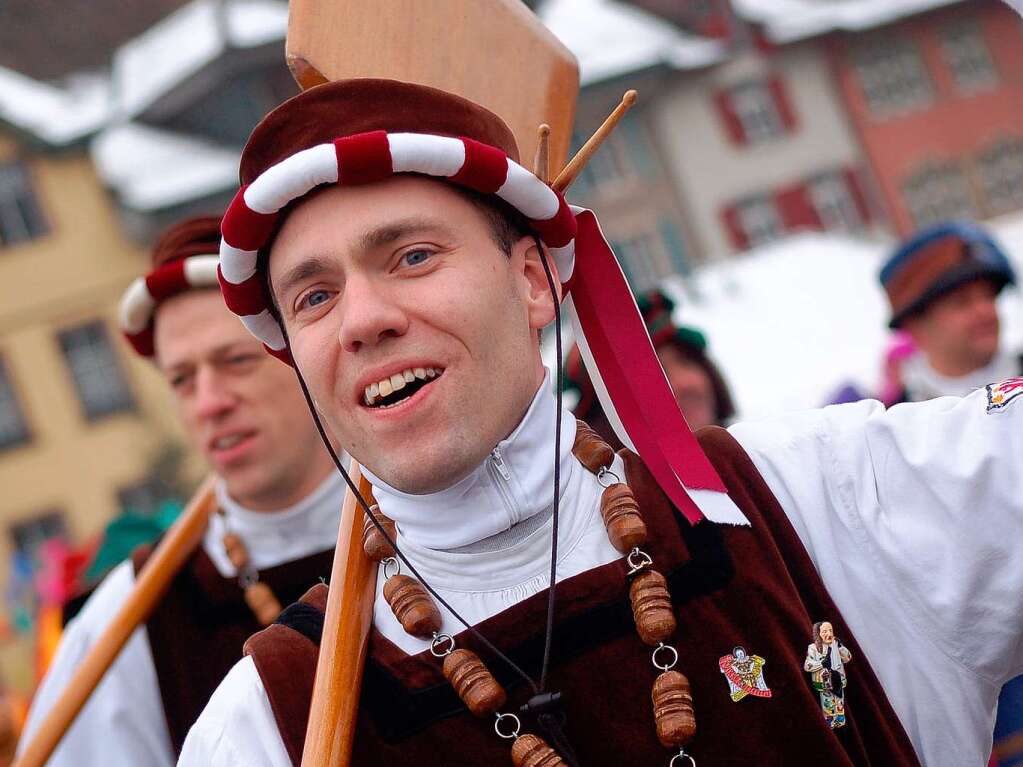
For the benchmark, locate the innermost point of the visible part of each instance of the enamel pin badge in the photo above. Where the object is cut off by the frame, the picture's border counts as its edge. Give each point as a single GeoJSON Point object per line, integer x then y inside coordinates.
{"type": "Point", "coordinates": [826, 659]}
{"type": "Point", "coordinates": [999, 395]}
{"type": "Point", "coordinates": [744, 674]}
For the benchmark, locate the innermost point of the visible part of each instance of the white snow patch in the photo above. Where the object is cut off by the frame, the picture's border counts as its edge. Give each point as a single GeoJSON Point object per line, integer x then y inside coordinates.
{"type": "Point", "coordinates": [785, 21]}
{"type": "Point", "coordinates": [610, 38]}
{"type": "Point", "coordinates": [152, 169]}
{"type": "Point", "coordinates": [57, 115]}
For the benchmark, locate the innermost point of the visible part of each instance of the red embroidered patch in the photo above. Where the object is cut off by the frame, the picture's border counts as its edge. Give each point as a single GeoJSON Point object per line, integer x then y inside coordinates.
{"type": "Point", "coordinates": [999, 395]}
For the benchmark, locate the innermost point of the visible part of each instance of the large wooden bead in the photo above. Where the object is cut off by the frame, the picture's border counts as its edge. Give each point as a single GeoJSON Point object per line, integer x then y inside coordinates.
{"type": "Point", "coordinates": [532, 751]}
{"type": "Point", "coordinates": [263, 603]}
{"type": "Point", "coordinates": [412, 606]}
{"type": "Point", "coordinates": [373, 542]}
{"type": "Point", "coordinates": [590, 448]}
{"type": "Point", "coordinates": [624, 523]}
{"type": "Point", "coordinates": [475, 685]}
{"type": "Point", "coordinates": [651, 607]}
{"type": "Point", "coordinates": [673, 709]}
{"type": "Point", "coordinates": [236, 551]}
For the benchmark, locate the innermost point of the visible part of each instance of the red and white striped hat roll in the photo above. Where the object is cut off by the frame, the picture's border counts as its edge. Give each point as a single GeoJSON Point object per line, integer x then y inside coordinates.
{"type": "Point", "coordinates": [362, 159]}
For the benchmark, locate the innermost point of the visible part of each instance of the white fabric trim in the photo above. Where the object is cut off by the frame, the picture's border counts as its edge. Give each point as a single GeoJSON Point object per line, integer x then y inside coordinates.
{"type": "Point", "coordinates": [291, 178]}
{"type": "Point", "coordinates": [718, 507]}
{"type": "Point", "coordinates": [564, 257]}
{"type": "Point", "coordinates": [237, 265]}
{"type": "Point", "coordinates": [136, 307]}
{"type": "Point", "coordinates": [201, 271]}
{"type": "Point", "coordinates": [264, 327]}
{"type": "Point", "coordinates": [421, 153]}
{"type": "Point", "coordinates": [528, 194]}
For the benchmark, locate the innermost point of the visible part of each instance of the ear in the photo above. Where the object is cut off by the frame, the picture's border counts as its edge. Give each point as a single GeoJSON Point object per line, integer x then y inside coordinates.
{"type": "Point", "coordinates": [536, 289]}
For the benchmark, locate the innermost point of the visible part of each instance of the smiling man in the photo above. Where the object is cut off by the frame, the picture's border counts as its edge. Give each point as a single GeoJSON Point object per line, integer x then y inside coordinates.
{"type": "Point", "coordinates": [279, 501]}
{"type": "Point", "coordinates": [383, 228]}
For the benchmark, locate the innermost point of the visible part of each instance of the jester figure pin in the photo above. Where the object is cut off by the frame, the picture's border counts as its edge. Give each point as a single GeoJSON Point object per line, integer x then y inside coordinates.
{"type": "Point", "coordinates": [825, 661]}
{"type": "Point", "coordinates": [744, 674]}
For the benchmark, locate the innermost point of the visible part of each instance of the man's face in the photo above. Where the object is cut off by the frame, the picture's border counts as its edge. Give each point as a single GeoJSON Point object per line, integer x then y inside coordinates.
{"type": "Point", "coordinates": [959, 330]}
{"type": "Point", "coordinates": [383, 283]}
{"type": "Point", "coordinates": [827, 633]}
{"type": "Point", "coordinates": [691, 386]}
{"type": "Point", "coordinates": [242, 409]}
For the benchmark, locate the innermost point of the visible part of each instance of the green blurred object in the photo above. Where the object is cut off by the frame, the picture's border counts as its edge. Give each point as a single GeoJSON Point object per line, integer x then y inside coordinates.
{"type": "Point", "coordinates": [127, 531]}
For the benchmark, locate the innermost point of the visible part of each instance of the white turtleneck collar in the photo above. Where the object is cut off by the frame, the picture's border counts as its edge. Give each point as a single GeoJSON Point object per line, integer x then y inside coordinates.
{"type": "Point", "coordinates": [275, 537]}
{"type": "Point", "coordinates": [923, 382]}
{"type": "Point", "coordinates": [515, 482]}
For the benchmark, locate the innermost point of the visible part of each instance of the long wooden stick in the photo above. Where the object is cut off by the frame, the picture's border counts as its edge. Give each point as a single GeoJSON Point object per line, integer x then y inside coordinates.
{"type": "Point", "coordinates": [577, 163]}
{"type": "Point", "coordinates": [335, 702]}
{"type": "Point", "coordinates": [153, 580]}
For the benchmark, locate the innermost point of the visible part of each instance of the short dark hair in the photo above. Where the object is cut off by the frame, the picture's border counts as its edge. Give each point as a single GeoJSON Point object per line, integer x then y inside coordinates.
{"type": "Point", "coordinates": [507, 225]}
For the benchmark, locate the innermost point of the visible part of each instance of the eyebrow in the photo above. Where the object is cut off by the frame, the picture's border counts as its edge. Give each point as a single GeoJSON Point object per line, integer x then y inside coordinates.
{"type": "Point", "coordinates": [304, 270]}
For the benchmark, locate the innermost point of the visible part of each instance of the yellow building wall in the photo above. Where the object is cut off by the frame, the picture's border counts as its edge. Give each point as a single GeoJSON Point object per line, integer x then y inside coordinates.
{"type": "Point", "coordinates": [72, 275]}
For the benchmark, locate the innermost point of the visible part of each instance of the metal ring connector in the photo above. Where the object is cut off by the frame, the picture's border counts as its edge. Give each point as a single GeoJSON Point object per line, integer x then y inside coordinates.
{"type": "Point", "coordinates": [515, 723]}
{"type": "Point", "coordinates": [604, 473]}
{"type": "Point", "coordinates": [680, 758]}
{"type": "Point", "coordinates": [637, 560]}
{"type": "Point", "coordinates": [437, 648]}
{"type": "Point", "coordinates": [390, 562]}
{"type": "Point", "coordinates": [664, 666]}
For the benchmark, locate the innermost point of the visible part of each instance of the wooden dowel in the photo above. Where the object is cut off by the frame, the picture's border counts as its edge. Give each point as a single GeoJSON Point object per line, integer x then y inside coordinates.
{"type": "Point", "coordinates": [541, 161]}
{"type": "Point", "coordinates": [577, 163]}
{"type": "Point", "coordinates": [335, 701]}
{"type": "Point", "coordinates": [152, 583]}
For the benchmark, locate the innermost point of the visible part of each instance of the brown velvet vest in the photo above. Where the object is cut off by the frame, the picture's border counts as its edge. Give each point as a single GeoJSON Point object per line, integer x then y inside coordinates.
{"type": "Point", "coordinates": [753, 587]}
{"type": "Point", "coordinates": [197, 630]}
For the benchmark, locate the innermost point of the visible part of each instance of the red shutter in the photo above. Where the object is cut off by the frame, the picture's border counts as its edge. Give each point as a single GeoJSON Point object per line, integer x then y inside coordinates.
{"type": "Point", "coordinates": [729, 117]}
{"type": "Point", "coordinates": [852, 180]}
{"type": "Point", "coordinates": [796, 209]}
{"type": "Point", "coordinates": [782, 103]}
{"type": "Point", "coordinates": [737, 235]}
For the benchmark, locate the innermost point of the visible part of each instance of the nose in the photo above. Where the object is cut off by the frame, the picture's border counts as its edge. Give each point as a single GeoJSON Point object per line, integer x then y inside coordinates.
{"type": "Point", "coordinates": [369, 316]}
{"type": "Point", "coordinates": [213, 399]}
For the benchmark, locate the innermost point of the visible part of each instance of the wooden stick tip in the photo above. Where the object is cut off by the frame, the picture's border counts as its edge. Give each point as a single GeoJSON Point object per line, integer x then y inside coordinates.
{"type": "Point", "coordinates": [543, 131]}
{"type": "Point", "coordinates": [630, 97]}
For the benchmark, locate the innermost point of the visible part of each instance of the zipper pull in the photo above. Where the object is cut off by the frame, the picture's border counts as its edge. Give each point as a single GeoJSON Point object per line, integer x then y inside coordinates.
{"type": "Point", "coordinates": [498, 461]}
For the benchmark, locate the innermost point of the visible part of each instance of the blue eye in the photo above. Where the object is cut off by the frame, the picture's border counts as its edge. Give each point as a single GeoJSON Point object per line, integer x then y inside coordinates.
{"type": "Point", "coordinates": [316, 297]}
{"type": "Point", "coordinates": [416, 257]}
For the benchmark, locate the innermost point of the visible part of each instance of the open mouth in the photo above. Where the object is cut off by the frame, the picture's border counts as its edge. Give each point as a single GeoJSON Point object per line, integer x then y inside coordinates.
{"type": "Point", "coordinates": [392, 391]}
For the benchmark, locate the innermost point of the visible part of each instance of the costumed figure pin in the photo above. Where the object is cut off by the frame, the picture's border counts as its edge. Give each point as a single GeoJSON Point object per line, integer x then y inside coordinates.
{"type": "Point", "coordinates": [825, 661]}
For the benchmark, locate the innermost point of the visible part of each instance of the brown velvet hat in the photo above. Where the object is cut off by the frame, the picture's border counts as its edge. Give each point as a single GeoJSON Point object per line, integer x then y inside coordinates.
{"type": "Point", "coordinates": [348, 107]}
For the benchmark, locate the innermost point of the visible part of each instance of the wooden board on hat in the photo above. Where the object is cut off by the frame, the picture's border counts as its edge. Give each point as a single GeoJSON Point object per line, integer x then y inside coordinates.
{"type": "Point", "coordinates": [494, 52]}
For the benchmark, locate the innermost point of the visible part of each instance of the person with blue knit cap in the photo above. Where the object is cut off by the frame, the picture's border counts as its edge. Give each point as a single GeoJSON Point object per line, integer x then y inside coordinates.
{"type": "Point", "coordinates": [942, 284]}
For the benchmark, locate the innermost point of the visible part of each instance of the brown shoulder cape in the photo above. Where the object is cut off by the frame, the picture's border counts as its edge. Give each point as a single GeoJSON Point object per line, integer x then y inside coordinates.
{"type": "Point", "coordinates": [753, 587]}
{"type": "Point", "coordinates": [197, 630]}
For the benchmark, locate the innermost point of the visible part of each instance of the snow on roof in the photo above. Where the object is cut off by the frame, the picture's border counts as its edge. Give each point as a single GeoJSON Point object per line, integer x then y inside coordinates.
{"type": "Point", "coordinates": [189, 39]}
{"type": "Point", "coordinates": [56, 115]}
{"type": "Point", "coordinates": [153, 169]}
{"type": "Point", "coordinates": [790, 322]}
{"type": "Point", "coordinates": [611, 38]}
{"type": "Point", "coordinates": [786, 21]}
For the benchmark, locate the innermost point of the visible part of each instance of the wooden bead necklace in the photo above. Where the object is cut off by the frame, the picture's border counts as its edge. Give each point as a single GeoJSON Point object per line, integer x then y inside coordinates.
{"type": "Point", "coordinates": [258, 595]}
{"type": "Point", "coordinates": [479, 690]}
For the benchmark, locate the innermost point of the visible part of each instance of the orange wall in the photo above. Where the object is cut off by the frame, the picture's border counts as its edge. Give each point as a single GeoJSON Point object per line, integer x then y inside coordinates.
{"type": "Point", "coordinates": [955, 124]}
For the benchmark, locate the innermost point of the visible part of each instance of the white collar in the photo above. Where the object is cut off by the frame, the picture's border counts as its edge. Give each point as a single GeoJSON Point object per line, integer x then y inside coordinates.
{"type": "Point", "coordinates": [515, 482]}
{"type": "Point", "coordinates": [923, 382]}
{"type": "Point", "coordinates": [275, 537]}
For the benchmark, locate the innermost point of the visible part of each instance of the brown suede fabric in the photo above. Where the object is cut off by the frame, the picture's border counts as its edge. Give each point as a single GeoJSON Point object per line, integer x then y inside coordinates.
{"type": "Point", "coordinates": [732, 586]}
{"type": "Point", "coordinates": [197, 631]}
{"type": "Point", "coordinates": [192, 237]}
{"type": "Point", "coordinates": [347, 107]}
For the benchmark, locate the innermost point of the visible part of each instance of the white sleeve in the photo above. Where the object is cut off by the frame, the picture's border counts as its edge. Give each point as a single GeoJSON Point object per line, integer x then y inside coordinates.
{"type": "Point", "coordinates": [123, 721]}
{"type": "Point", "coordinates": [237, 727]}
{"type": "Point", "coordinates": [914, 519]}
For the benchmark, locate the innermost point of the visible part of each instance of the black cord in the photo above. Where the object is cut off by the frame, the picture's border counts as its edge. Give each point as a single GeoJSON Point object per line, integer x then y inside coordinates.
{"type": "Point", "coordinates": [549, 632]}
{"type": "Point", "coordinates": [376, 523]}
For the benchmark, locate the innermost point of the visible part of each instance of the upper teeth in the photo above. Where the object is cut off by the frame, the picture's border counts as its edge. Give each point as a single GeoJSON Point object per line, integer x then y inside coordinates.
{"type": "Point", "coordinates": [387, 386]}
{"type": "Point", "coordinates": [222, 443]}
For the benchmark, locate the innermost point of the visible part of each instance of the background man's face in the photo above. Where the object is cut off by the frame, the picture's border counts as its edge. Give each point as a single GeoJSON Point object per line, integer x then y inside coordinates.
{"type": "Point", "coordinates": [242, 409]}
{"type": "Point", "coordinates": [959, 331]}
{"type": "Point", "coordinates": [691, 386]}
{"type": "Point", "coordinates": [389, 281]}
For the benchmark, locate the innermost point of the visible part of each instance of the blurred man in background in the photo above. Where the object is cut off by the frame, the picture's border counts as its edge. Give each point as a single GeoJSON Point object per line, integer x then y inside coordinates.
{"type": "Point", "coordinates": [942, 284]}
{"type": "Point", "coordinates": [699, 388]}
{"type": "Point", "coordinates": [279, 501]}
